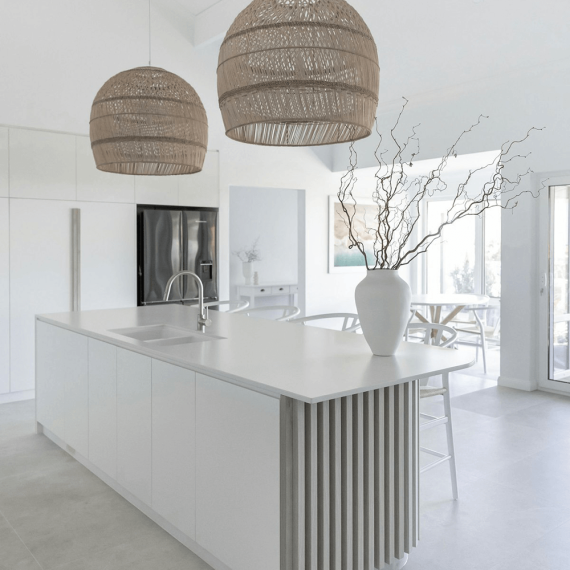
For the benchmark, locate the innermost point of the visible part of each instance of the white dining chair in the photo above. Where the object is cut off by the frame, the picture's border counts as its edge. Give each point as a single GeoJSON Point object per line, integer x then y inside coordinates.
{"type": "Point", "coordinates": [285, 312]}
{"type": "Point", "coordinates": [442, 336]}
{"type": "Point", "coordinates": [350, 321]}
{"type": "Point", "coordinates": [233, 306]}
{"type": "Point", "coordinates": [477, 326]}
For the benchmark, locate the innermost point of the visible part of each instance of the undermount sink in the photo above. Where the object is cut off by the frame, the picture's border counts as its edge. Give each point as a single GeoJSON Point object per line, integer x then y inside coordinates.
{"type": "Point", "coordinates": [164, 335]}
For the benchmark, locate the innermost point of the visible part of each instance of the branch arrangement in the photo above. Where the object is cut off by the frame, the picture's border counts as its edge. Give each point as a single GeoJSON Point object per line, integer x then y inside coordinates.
{"type": "Point", "coordinates": [398, 197]}
{"type": "Point", "coordinates": [249, 254]}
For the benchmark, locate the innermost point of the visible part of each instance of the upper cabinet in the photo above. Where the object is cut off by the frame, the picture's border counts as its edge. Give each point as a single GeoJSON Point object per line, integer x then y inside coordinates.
{"type": "Point", "coordinates": [4, 164]}
{"type": "Point", "coordinates": [42, 165]}
{"type": "Point", "coordinates": [162, 190]}
{"type": "Point", "coordinates": [97, 186]}
{"type": "Point", "coordinates": [203, 188]}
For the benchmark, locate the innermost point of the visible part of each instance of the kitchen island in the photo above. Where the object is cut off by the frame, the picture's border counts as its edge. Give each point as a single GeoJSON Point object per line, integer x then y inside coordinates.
{"type": "Point", "coordinates": [259, 445]}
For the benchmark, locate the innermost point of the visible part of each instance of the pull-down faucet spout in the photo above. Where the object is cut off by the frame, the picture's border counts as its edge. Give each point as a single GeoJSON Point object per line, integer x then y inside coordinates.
{"type": "Point", "coordinates": [203, 320]}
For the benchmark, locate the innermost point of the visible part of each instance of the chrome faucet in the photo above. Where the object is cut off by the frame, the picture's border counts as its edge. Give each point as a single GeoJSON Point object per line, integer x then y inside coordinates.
{"type": "Point", "coordinates": [203, 320]}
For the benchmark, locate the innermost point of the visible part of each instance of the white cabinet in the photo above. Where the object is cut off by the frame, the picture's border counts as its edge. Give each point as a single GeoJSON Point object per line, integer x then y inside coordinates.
{"type": "Point", "coordinates": [174, 445]}
{"type": "Point", "coordinates": [96, 185]}
{"type": "Point", "coordinates": [39, 276]}
{"type": "Point", "coordinates": [63, 385]}
{"type": "Point", "coordinates": [157, 189]}
{"type": "Point", "coordinates": [4, 164]}
{"type": "Point", "coordinates": [4, 294]}
{"type": "Point", "coordinates": [40, 245]}
{"type": "Point", "coordinates": [42, 165]}
{"type": "Point", "coordinates": [50, 391]}
{"type": "Point", "coordinates": [134, 424]}
{"type": "Point", "coordinates": [237, 447]}
{"type": "Point", "coordinates": [108, 255]}
{"type": "Point", "coordinates": [202, 189]}
{"type": "Point", "coordinates": [103, 406]}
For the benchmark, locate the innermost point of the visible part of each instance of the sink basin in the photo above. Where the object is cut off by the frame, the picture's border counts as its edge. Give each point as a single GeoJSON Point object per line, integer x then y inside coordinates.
{"type": "Point", "coordinates": [164, 335]}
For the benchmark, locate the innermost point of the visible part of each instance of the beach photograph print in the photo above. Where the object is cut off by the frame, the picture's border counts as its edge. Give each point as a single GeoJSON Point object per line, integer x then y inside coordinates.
{"type": "Point", "coordinates": [342, 259]}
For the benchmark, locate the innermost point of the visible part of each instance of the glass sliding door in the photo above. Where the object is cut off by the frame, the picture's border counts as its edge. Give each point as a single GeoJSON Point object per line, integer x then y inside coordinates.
{"type": "Point", "coordinates": [451, 262]}
{"type": "Point", "coordinates": [559, 300]}
{"type": "Point", "coordinates": [467, 258]}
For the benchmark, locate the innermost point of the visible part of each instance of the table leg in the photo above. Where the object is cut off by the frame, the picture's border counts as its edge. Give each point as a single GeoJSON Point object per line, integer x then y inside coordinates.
{"type": "Point", "coordinates": [453, 314]}
{"type": "Point", "coordinates": [421, 317]}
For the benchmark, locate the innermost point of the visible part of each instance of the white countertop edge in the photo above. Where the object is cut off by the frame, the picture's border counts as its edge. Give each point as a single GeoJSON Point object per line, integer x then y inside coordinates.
{"type": "Point", "coordinates": [237, 380]}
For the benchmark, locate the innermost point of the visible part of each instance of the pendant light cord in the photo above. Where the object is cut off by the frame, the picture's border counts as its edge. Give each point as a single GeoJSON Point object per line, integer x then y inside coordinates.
{"type": "Point", "coordinates": [149, 36]}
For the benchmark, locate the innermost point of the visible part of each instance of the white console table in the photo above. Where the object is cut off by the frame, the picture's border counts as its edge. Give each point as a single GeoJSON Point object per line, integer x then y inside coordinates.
{"type": "Point", "coordinates": [268, 290]}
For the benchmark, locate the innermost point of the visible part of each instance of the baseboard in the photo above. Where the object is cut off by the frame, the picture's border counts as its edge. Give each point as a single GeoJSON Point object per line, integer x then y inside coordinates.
{"type": "Point", "coordinates": [17, 396]}
{"type": "Point", "coordinates": [517, 383]}
{"type": "Point", "coordinates": [144, 508]}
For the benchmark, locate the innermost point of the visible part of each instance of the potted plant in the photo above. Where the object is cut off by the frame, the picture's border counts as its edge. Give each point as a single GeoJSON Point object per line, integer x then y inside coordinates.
{"type": "Point", "coordinates": [392, 236]}
{"type": "Point", "coordinates": [248, 257]}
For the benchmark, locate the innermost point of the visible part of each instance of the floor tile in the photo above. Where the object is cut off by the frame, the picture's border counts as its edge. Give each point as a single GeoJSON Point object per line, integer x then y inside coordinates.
{"type": "Point", "coordinates": [551, 552]}
{"type": "Point", "coordinates": [13, 553]}
{"type": "Point", "coordinates": [552, 414]}
{"type": "Point", "coordinates": [496, 402]}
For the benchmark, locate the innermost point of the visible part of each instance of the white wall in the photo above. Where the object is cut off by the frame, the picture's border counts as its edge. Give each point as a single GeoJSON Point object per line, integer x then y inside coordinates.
{"type": "Point", "coordinates": [270, 214]}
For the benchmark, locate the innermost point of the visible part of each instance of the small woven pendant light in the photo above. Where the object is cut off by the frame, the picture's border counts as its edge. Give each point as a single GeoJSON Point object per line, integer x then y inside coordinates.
{"type": "Point", "coordinates": [298, 73]}
{"type": "Point", "coordinates": [148, 121]}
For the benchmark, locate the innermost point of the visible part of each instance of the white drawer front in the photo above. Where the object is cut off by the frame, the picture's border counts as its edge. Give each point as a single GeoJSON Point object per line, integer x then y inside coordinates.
{"type": "Point", "coordinates": [260, 291]}
{"type": "Point", "coordinates": [280, 290]}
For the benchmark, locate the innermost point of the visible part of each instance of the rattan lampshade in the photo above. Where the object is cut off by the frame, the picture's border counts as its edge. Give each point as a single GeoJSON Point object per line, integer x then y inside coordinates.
{"type": "Point", "coordinates": [148, 121]}
{"type": "Point", "coordinates": [298, 73]}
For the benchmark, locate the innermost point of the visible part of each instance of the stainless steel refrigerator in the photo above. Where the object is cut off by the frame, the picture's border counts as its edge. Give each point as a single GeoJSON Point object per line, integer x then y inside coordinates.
{"type": "Point", "coordinates": [172, 239]}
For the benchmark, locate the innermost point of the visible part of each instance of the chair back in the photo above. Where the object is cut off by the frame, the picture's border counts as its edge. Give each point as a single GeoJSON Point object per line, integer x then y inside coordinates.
{"type": "Point", "coordinates": [434, 334]}
{"type": "Point", "coordinates": [350, 321]}
{"type": "Point", "coordinates": [284, 312]}
{"type": "Point", "coordinates": [233, 306]}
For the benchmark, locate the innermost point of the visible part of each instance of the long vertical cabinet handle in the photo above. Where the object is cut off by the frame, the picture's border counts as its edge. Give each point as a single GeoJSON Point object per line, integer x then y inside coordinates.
{"type": "Point", "coordinates": [75, 259]}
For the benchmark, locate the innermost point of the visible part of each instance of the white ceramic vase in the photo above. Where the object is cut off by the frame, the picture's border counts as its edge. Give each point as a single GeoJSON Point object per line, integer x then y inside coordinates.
{"type": "Point", "coordinates": [383, 304]}
{"type": "Point", "coordinates": [248, 272]}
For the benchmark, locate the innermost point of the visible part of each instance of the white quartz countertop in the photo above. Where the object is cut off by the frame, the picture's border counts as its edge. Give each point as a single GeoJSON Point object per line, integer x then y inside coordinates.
{"type": "Point", "coordinates": [274, 358]}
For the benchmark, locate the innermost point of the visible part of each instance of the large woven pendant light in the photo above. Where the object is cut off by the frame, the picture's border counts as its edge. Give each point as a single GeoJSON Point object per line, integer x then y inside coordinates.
{"type": "Point", "coordinates": [148, 121]}
{"type": "Point", "coordinates": [298, 73]}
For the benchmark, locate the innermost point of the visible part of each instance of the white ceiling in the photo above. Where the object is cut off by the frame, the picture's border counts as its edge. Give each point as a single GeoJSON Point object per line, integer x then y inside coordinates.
{"type": "Point", "coordinates": [196, 7]}
{"type": "Point", "coordinates": [429, 46]}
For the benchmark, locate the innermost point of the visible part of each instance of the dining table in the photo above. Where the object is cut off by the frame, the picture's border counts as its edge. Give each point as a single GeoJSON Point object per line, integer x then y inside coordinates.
{"type": "Point", "coordinates": [437, 301]}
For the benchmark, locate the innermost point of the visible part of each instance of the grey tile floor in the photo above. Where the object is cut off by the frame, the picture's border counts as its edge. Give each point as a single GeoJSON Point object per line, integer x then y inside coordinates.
{"type": "Point", "coordinates": [513, 454]}
{"type": "Point", "coordinates": [56, 515]}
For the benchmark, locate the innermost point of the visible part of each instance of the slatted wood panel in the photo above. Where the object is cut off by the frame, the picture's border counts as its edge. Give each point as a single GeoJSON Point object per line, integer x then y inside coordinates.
{"type": "Point", "coordinates": [349, 480]}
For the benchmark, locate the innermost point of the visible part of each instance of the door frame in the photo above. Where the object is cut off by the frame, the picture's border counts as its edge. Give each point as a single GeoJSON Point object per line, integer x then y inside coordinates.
{"type": "Point", "coordinates": [545, 279]}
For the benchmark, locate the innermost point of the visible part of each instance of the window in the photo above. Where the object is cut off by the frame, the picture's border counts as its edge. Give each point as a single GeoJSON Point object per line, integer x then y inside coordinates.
{"type": "Point", "coordinates": [559, 366]}
{"type": "Point", "coordinates": [467, 258]}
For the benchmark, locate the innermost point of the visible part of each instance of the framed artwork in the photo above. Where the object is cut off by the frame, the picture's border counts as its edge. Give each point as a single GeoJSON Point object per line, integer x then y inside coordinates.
{"type": "Point", "coordinates": [341, 258]}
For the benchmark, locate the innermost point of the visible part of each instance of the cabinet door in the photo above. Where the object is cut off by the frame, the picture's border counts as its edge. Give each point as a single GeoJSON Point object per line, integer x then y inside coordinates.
{"type": "Point", "coordinates": [174, 445]}
{"type": "Point", "coordinates": [4, 295]}
{"type": "Point", "coordinates": [42, 165]}
{"type": "Point", "coordinates": [108, 256]}
{"type": "Point", "coordinates": [4, 163]}
{"type": "Point", "coordinates": [237, 474]}
{"type": "Point", "coordinates": [62, 389]}
{"type": "Point", "coordinates": [134, 423]}
{"type": "Point", "coordinates": [203, 188]}
{"type": "Point", "coordinates": [39, 276]}
{"type": "Point", "coordinates": [103, 406]}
